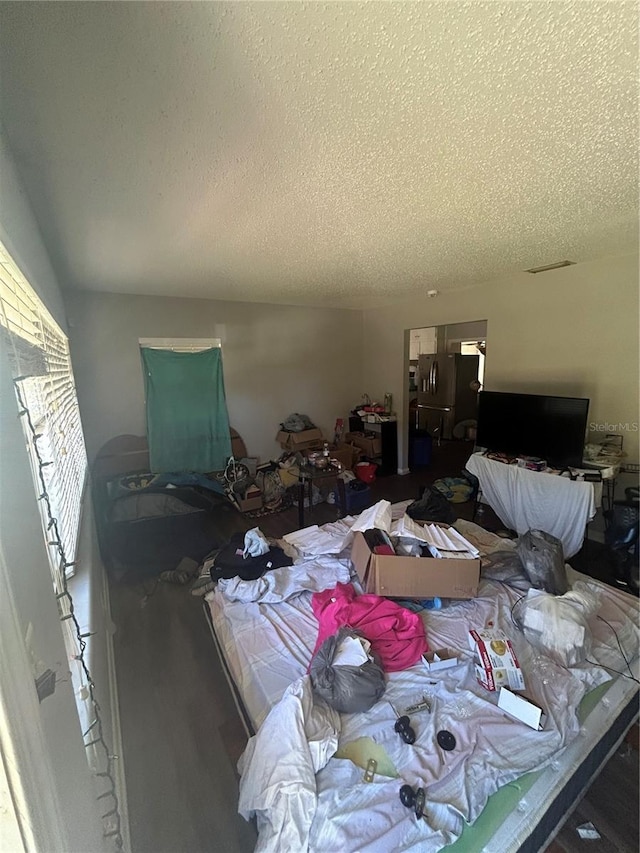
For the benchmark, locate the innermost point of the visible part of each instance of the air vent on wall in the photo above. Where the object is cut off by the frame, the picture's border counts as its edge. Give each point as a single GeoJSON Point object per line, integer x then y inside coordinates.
{"type": "Point", "coordinates": [551, 267]}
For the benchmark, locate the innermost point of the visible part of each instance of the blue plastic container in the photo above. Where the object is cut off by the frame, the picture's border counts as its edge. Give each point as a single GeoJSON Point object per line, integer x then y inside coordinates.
{"type": "Point", "coordinates": [356, 501]}
{"type": "Point", "coordinates": [421, 447]}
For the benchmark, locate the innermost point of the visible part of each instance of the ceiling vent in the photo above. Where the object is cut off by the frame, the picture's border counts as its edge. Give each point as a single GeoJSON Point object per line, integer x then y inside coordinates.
{"type": "Point", "coordinates": [551, 267]}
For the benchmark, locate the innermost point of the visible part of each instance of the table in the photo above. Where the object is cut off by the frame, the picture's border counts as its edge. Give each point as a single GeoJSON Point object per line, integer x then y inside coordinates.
{"type": "Point", "coordinates": [609, 470]}
{"type": "Point", "coordinates": [536, 500]}
{"type": "Point", "coordinates": [307, 476]}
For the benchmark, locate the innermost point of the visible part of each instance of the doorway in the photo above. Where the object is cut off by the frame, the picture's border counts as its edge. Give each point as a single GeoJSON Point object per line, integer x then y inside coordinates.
{"type": "Point", "coordinates": [446, 372]}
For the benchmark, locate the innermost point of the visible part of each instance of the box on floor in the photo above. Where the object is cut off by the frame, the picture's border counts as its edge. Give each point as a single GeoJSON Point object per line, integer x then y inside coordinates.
{"type": "Point", "coordinates": [251, 501]}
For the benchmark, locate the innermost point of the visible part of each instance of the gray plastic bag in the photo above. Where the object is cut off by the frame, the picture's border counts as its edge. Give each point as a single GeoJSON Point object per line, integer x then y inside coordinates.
{"type": "Point", "coordinates": [543, 560]}
{"type": "Point", "coordinates": [505, 567]}
{"type": "Point", "coordinates": [348, 689]}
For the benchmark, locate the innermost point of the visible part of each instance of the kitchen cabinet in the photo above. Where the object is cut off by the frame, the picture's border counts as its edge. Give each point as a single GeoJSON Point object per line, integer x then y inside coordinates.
{"type": "Point", "coordinates": [422, 341]}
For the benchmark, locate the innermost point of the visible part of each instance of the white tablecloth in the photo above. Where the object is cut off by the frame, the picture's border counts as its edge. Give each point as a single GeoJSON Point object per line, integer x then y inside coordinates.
{"type": "Point", "coordinates": [534, 500]}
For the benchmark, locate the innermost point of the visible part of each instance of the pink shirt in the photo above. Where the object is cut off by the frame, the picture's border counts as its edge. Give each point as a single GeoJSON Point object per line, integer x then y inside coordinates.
{"type": "Point", "coordinates": [396, 634]}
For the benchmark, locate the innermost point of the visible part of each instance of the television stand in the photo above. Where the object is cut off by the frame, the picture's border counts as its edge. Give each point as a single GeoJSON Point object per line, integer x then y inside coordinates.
{"type": "Point", "coordinates": [536, 500]}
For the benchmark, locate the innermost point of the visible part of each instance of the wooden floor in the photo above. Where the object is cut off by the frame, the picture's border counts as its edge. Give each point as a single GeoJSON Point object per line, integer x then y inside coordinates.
{"type": "Point", "coordinates": [611, 805]}
{"type": "Point", "coordinates": [181, 732]}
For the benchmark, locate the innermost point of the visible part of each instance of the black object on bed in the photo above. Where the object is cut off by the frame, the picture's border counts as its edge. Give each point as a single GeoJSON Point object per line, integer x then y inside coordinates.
{"type": "Point", "coordinates": [230, 562]}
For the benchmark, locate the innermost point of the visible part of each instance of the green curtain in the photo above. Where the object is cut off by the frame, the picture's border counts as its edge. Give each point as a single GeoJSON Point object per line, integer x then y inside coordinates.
{"type": "Point", "coordinates": [187, 419]}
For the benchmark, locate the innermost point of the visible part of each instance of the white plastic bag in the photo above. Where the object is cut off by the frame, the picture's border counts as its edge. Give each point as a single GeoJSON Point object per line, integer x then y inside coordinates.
{"type": "Point", "coordinates": [255, 544]}
{"type": "Point", "coordinates": [558, 624]}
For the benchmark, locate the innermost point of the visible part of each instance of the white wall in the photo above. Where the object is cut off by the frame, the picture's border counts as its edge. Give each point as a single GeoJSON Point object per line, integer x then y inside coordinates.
{"type": "Point", "coordinates": [571, 332]}
{"type": "Point", "coordinates": [277, 360]}
{"type": "Point", "coordinates": [54, 724]}
{"type": "Point", "coordinates": [20, 234]}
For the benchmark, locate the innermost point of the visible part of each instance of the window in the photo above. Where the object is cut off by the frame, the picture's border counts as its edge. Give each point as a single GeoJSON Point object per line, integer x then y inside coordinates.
{"type": "Point", "coordinates": [39, 353]}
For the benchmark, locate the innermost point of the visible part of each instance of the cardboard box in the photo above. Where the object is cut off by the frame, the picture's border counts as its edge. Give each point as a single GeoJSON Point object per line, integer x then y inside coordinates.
{"type": "Point", "coordinates": [356, 453]}
{"type": "Point", "coordinates": [251, 501]}
{"type": "Point", "coordinates": [496, 663]}
{"type": "Point", "coordinates": [440, 659]}
{"type": "Point", "coordinates": [299, 440]}
{"type": "Point", "coordinates": [413, 577]}
{"type": "Point", "coordinates": [370, 445]}
{"type": "Point", "coordinates": [344, 454]}
{"type": "Point", "coordinates": [521, 709]}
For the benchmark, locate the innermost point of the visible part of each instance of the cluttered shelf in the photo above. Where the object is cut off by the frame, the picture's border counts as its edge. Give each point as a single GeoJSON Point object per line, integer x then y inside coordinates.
{"type": "Point", "coordinates": [378, 440]}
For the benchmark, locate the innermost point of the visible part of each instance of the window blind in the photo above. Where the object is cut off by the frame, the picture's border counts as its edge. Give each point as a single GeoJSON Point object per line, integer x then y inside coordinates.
{"type": "Point", "coordinates": [39, 354]}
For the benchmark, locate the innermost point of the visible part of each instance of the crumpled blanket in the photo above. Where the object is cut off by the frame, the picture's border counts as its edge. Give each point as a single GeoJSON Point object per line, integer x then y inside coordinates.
{"type": "Point", "coordinates": [283, 583]}
{"type": "Point", "coordinates": [396, 634]}
{"type": "Point", "coordinates": [278, 768]}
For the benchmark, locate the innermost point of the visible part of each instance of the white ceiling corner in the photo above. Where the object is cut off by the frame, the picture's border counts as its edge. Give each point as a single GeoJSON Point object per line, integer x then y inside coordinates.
{"type": "Point", "coordinates": [322, 153]}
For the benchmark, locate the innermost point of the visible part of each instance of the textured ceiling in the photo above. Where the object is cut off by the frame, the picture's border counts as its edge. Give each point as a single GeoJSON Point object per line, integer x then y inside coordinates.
{"type": "Point", "coordinates": [321, 153]}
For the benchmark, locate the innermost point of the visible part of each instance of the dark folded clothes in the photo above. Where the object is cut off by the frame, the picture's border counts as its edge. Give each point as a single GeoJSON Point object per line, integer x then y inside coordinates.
{"type": "Point", "coordinates": [230, 563]}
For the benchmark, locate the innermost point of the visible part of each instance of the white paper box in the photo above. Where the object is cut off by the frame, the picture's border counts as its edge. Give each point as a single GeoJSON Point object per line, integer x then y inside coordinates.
{"type": "Point", "coordinates": [496, 664]}
{"type": "Point", "coordinates": [440, 659]}
{"type": "Point", "coordinates": [521, 709]}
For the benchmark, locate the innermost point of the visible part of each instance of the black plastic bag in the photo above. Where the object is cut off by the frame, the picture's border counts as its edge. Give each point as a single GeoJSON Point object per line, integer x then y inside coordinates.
{"type": "Point", "coordinates": [432, 506]}
{"type": "Point", "coordinates": [348, 689]}
{"type": "Point", "coordinates": [543, 560]}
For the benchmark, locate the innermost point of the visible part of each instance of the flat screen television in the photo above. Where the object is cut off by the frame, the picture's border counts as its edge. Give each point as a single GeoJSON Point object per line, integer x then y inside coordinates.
{"type": "Point", "coordinates": [552, 428]}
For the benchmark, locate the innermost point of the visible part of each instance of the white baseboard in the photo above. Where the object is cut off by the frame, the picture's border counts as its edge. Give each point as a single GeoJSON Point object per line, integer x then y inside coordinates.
{"type": "Point", "coordinates": [116, 730]}
{"type": "Point", "coordinates": [403, 471]}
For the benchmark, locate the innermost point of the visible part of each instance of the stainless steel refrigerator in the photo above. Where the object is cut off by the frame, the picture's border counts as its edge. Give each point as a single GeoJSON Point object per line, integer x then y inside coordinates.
{"type": "Point", "coordinates": [446, 393]}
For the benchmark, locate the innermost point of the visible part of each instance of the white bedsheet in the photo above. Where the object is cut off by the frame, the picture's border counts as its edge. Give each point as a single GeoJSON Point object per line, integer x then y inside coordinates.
{"type": "Point", "coordinates": [534, 500]}
{"type": "Point", "coordinates": [312, 575]}
{"type": "Point", "coordinates": [492, 750]}
{"type": "Point", "coordinates": [279, 767]}
{"type": "Point", "coordinates": [329, 539]}
{"type": "Point", "coordinates": [270, 642]}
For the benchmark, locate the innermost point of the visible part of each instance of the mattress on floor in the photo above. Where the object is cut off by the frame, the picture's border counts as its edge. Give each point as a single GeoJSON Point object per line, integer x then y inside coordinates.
{"type": "Point", "coordinates": [267, 646]}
